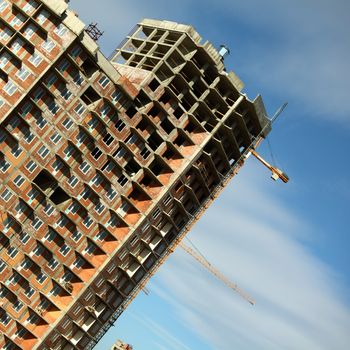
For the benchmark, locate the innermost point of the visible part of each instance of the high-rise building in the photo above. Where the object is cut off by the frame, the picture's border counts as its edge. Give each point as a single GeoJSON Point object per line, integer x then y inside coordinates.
{"type": "Point", "coordinates": [105, 164]}
{"type": "Point", "coordinates": [120, 345]}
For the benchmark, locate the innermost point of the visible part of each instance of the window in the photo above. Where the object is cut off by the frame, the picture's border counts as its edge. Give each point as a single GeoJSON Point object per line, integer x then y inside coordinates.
{"type": "Point", "coordinates": [38, 94]}
{"type": "Point", "coordinates": [63, 65]}
{"type": "Point", "coordinates": [67, 277]}
{"type": "Point", "coordinates": [56, 290]}
{"type": "Point", "coordinates": [67, 123]}
{"type": "Point", "coordinates": [50, 236]}
{"type": "Point", "coordinates": [102, 235]}
{"type": "Point", "coordinates": [122, 180]}
{"type": "Point", "coordinates": [123, 209]}
{"type": "Point", "coordinates": [40, 121]}
{"type": "Point", "coordinates": [35, 59]}
{"type": "Point", "coordinates": [26, 108]}
{"type": "Point", "coordinates": [31, 166]}
{"type": "Point", "coordinates": [93, 122]}
{"type": "Point", "coordinates": [32, 319]}
{"type": "Point", "coordinates": [167, 200]}
{"type": "Point", "coordinates": [113, 221]}
{"type": "Point", "coordinates": [32, 194]}
{"type": "Point", "coordinates": [97, 179]}
{"type": "Point", "coordinates": [38, 250]}
{"type": "Point", "coordinates": [84, 167]}
{"type": "Point", "coordinates": [17, 306]}
{"type": "Point", "coordinates": [109, 167]}
{"type": "Point", "coordinates": [61, 30]}
{"type": "Point", "coordinates": [3, 5]}
{"type": "Point", "coordinates": [20, 208]}
{"type": "Point", "coordinates": [28, 137]}
{"type": "Point", "coordinates": [79, 262]}
{"type": "Point", "coordinates": [5, 319]}
{"type": "Point", "coordinates": [6, 195]}
{"type": "Point", "coordinates": [30, 30]}
{"type": "Point", "coordinates": [49, 209]}
{"type": "Point", "coordinates": [30, 6]}
{"type": "Point", "coordinates": [36, 224]}
{"type": "Point", "coordinates": [53, 107]}
{"type": "Point", "coordinates": [52, 264]}
{"type": "Point", "coordinates": [57, 165]}
{"type": "Point", "coordinates": [20, 333]}
{"type": "Point", "coordinates": [108, 139]}
{"type": "Point", "coordinates": [64, 250]}
{"type": "Point", "coordinates": [76, 51]}
{"type": "Point", "coordinates": [17, 20]}
{"type": "Point", "coordinates": [131, 139]}
{"type": "Point", "coordinates": [10, 88]}
{"type": "Point", "coordinates": [120, 125]}
{"type": "Point", "coordinates": [3, 292]}
{"type": "Point", "coordinates": [43, 16]}
{"type": "Point", "coordinates": [43, 152]}
{"type": "Point", "coordinates": [90, 248]}
{"type": "Point", "coordinates": [111, 193]}
{"type": "Point", "coordinates": [24, 237]}
{"type": "Point", "coordinates": [4, 165]}
{"type": "Point", "coordinates": [8, 223]}
{"type": "Point", "coordinates": [5, 58]}
{"type": "Point", "coordinates": [3, 136]}
{"type": "Point", "coordinates": [17, 45]}
{"type": "Point", "coordinates": [29, 292]}
{"type": "Point", "coordinates": [5, 33]}
{"type": "Point", "coordinates": [41, 277]}
{"type": "Point", "coordinates": [76, 235]}
{"type": "Point", "coordinates": [116, 96]}
{"type": "Point", "coordinates": [66, 94]}
{"type": "Point", "coordinates": [26, 264]}
{"type": "Point", "coordinates": [74, 207]}
{"type": "Point", "coordinates": [14, 278]}
{"type": "Point", "coordinates": [14, 122]}
{"type": "Point", "coordinates": [87, 222]}
{"type": "Point", "coordinates": [55, 138]}
{"type": "Point", "coordinates": [104, 81]}
{"type": "Point", "coordinates": [96, 153]}
{"type": "Point", "coordinates": [156, 213]}
{"type": "Point", "coordinates": [72, 181]}
{"type": "Point", "coordinates": [12, 252]}
{"type": "Point", "coordinates": [62, 221]}
{"type": "Point", "coordinates": [99, 208]}
{"type": "Point", "coordinates": [16, 151]}
{"type": "Point", "coordinates": [85, 193]}
{"type": "Point", "coordinates": [48, 45]}
{"type": "Point", "coordinates": [18, 181]}
{"type": "Point", "coordinates": [78, 79]}
{"type": "Point", "coordinates": [51, 79]}
{"type": "Point", "coordinates": [2, 265]}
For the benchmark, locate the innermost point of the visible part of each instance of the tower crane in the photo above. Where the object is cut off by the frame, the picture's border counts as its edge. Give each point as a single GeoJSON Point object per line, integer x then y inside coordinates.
{"type": "Point", "coordinates": [216, 273]}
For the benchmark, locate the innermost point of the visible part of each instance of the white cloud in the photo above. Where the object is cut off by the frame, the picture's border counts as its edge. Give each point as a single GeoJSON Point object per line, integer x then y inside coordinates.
{"type": "Point", "coordinates": [299, 301]}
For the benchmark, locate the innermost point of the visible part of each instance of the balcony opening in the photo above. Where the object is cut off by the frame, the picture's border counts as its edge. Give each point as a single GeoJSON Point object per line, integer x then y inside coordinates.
{"type": "Point", "coordinates": [45, 181]}
{"type": "Point", "coordinates": [154, 141]}
{"type": "Point", "coordinates": [158, 166]}
{"type": "Point", "coordinates": [132, 167]}
{"type": "Point", "coordinates": [89, 67]}
{"type": "Point", "coordinates": [90, 96]}
{"type": "Point", "coordinates": [59, 196]}
{"type": "Point", "coordinates": [167, 125]}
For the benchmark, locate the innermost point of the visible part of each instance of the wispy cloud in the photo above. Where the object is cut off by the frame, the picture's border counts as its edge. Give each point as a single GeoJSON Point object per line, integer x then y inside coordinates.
{"type": "Point", "coordinates": [300, 301]}
{"type": "Point", "coordinates": [165, 338]}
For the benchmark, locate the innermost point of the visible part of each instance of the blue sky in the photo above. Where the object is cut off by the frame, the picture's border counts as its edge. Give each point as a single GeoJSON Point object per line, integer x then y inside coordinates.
{"type": "Point", "coordinates": [287, 245]}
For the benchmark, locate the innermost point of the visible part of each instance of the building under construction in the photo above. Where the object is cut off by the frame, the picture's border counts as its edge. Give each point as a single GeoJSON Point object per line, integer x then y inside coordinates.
{"type": "Point", "coordinates": [105, 164]}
